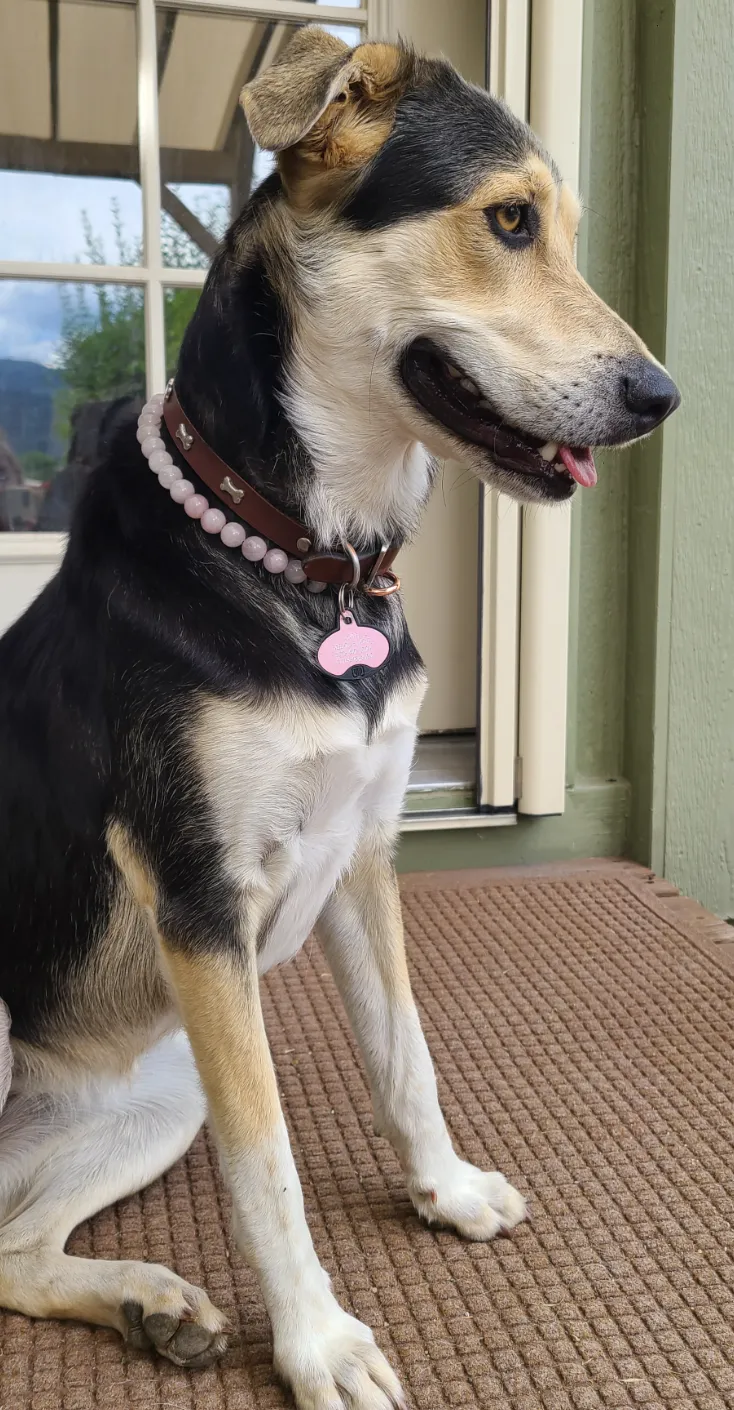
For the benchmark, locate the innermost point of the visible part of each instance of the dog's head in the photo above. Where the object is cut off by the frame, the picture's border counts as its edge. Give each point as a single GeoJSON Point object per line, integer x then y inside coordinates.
{"type": "Point", "coordinates": [440, 238]}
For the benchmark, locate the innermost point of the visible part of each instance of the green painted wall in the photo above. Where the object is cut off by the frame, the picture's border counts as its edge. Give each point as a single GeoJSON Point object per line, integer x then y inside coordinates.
{"type": "Point", "coordinates": [694, 829]}
{"type": "Point", "coordinates": [648, 594]}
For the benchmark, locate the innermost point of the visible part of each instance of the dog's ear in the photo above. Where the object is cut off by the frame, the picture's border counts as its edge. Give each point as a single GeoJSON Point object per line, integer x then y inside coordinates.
{"type": "Point", "coordinates": [282, 104]}
{"type": "Point", "coordinates": [333, 104]}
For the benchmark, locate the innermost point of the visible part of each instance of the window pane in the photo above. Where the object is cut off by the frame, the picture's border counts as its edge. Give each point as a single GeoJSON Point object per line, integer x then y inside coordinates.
{"type": "Point", "coordinates": [70, 356]}
{"type": "Point", "coordinates": [179, 305]}
{"type": "Point", "coordinates": [209, 164]}
{"type": "Point", "coordinates": [68, 132]}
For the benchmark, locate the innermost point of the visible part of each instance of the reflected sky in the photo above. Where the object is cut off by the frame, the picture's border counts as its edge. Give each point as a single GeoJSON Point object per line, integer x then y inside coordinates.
{"type": "Point", "coordinates": [43, 220]}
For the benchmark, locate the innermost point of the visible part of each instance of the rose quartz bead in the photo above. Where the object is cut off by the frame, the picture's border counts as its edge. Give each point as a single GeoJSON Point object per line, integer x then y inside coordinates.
{"type": "Point", "coordinates": [275, 560]}
{"type": "Point", "coordinates": [213, 521]}
{"type": "Point", "coordinates": [233, 535]}
{"type": "Point", "coordinates": [159, 460]}
{"type": "Point", "coordinates": [294, 571]}
{"type": "Point", "coordinates": [313, 586]}
{"type": "Point", "coordinates": [196, 505]}
{"type": "Point", "coordinates": [146, 428]}
{"type": "Point", "coordinates": [181, 490]}
{"type": "Point", "coordinates": [150, 444]}
{"type": "Point", "coordinates": [254, 548]}
{"type": "Point", "coordinates": [168, 476]}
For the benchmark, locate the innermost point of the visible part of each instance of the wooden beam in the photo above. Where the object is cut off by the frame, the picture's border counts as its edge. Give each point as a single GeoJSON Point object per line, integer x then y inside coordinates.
{"type": "Point", "coordinates": [100, 159]}
{"type": "Point", "coordinates": [190, 223]}
{"type": "Point", "coordinates": [53, 63]}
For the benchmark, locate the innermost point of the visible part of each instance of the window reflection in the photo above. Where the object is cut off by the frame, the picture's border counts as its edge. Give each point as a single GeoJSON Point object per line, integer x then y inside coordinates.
{"type": "Point", "coordinates": [179, 306]}
{"type": "Point", "coordinates": [68, 131]}
{"type": "Point", "coordinates": [76, 360]}
{"type": "Point", "coordinates": [209, 163]}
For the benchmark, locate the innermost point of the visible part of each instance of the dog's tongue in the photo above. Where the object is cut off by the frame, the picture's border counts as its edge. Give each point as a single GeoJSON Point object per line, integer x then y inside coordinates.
{"type": "Point", "coordinates": [579, 464]}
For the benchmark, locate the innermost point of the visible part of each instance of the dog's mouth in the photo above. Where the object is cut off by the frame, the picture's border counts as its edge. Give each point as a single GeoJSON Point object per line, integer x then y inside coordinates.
{"type": "Point", "coordinates": [451, 397]}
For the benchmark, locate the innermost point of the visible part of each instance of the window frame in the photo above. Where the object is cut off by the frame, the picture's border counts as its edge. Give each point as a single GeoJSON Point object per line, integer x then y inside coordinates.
{"type": "Point", "coordinates": [151, 272]}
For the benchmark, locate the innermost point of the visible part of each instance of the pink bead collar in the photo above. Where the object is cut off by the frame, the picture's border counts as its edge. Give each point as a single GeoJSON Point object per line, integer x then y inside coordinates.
{"type": "Point", "coordinates": [212, 521]}
{"type": "Point", "coordinates": [349, 652]}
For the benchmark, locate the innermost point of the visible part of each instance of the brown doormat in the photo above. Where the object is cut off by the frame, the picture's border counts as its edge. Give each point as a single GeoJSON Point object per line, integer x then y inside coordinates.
{"type": "Point", "coordinates": [581, 1023]}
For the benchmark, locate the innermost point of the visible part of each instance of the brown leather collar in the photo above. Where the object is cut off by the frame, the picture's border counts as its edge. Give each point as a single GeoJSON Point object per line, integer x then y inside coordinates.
{"type": "Point", "coordinates": [289, 534]}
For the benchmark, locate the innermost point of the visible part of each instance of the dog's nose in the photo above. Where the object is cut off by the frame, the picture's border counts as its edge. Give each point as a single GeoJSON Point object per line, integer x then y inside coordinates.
{"type": "Point", "coordinates": [648, 393]}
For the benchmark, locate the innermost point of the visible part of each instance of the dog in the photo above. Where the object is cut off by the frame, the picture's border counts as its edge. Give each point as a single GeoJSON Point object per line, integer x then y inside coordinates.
{"type": "Point", "coordinates": [197, 771]}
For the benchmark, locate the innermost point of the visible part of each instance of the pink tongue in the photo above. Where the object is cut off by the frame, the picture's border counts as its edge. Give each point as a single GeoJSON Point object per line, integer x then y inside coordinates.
{"type": "Point", "coordinates": [579, 464]}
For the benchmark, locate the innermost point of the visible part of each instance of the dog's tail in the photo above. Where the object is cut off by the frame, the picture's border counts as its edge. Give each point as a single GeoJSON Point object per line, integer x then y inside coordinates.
{"type": "Point", "coordinates": [6, 1055]}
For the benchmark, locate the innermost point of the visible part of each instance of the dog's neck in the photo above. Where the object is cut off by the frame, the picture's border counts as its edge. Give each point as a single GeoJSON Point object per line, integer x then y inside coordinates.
{"type": "Point", "coordinates": [371, 477]}
{"type": "Point", "coordinates": [266, 381]}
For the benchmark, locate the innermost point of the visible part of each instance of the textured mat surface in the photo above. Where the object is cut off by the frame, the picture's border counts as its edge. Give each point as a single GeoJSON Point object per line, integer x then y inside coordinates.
{"type": "Point", "coordinates": [582, 1030]}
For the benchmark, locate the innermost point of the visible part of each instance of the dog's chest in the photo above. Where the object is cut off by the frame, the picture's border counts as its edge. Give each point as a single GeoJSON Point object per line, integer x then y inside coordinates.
{"type": "Point", "coordinates": [293, 788]}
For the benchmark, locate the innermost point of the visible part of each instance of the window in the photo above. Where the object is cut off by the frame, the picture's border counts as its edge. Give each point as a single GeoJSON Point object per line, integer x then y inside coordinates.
{"type": "Point", "coordinates": [116, 182]}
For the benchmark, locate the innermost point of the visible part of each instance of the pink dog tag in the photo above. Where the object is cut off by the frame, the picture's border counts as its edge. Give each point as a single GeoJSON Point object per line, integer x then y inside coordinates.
{"type": "Point", "coordinates": [352, 650]}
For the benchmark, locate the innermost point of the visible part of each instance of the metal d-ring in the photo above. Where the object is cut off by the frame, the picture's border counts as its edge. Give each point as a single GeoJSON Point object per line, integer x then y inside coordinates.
{"type": "Point", "coordinates": [346, 591]}
{"type": "Point", "coordinates": [379, 572]}
{"type": "Point", "coordinates": [394, 585]}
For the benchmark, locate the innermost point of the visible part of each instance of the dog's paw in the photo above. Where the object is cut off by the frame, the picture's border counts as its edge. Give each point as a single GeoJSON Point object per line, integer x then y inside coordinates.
{"type": "Point", "coordinates": [333, 1363]}
{"type": "Point", "coordinates": [175, 1319]}
{"type": "Point", "coordinates": [477, 1203]}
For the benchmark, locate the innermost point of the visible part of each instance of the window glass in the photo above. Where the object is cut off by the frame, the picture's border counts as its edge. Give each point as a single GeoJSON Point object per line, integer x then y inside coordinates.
{"type": "Point", "coordinates": [209, 163]}
{"type": "Point", "coordinates": [69, 168]}
{"type": "Point", "coordinates": [179, 305]}
{"type": "Point", "coordinates": [71, 355]}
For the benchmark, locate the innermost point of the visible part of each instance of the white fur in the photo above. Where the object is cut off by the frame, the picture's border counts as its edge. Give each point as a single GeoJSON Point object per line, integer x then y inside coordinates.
{"type": "Point", "coordinates": [298, 792]}
{"type": "Point", "coordinates": [62, 1159]}
{"type": "Point", "coordinates": [443, 1188]}
{"type": "Point", "coordinates": [293, 787]}
{"type": "Point", "coordinates": [318, 1348]}
{"type": "Point", "coordinates": [6, 1055]}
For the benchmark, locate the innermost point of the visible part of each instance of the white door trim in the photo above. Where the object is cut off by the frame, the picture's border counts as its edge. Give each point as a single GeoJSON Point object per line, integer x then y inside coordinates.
{"type": "Point", "coordinates": [499, 550]}
{"type": "Point", "coordinates": [555, 114]}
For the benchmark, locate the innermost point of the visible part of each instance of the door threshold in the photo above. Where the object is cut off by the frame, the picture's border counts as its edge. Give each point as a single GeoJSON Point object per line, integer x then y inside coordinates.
{"type": "Point", "coordinates": [443, 776]}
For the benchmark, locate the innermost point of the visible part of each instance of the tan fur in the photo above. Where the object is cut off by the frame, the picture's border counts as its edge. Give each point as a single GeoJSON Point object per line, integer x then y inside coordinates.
{"type": "Point", "coordinates": [372, 887]}
{"type": "Point", "coordinates": [282, 103]}
{"type": "Point", "coordinates": [325, 110]}
{"type": "Point", "coordinates": [217, 996]}
{"type": "Point", "coordinates": [118, 1003]}
{"type": "Point", "coordinates": [458, 259]}
{"type": "Point", "coordinates": [136, 872]}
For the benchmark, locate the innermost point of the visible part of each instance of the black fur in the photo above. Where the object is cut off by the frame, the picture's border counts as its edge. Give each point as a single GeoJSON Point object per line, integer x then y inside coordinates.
{"type": "Point", "coordinates": [146, 614]}
{"type": "Point", "coordinates": [446, 137]}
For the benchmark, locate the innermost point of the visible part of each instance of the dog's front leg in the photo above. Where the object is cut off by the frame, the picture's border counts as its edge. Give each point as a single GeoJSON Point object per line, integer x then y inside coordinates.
{"type": "Point", "coordinates": [327, 1357]}
{"type": "Point", "coordinates": [361, 929]}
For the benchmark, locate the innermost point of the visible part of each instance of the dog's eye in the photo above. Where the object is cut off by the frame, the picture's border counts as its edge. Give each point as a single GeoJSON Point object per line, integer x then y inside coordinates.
{"type": "Point", "coordinates": [512, 222]}
{"type": "Point", "coordinates": [509, 218]}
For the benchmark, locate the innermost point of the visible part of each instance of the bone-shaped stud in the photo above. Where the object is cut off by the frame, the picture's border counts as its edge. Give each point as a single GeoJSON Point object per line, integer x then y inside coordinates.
{"type": "Point", "coordinates": [231, 489]}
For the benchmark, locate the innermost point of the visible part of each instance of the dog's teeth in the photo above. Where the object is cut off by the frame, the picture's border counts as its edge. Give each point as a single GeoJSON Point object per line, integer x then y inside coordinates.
{"type": "Point", "coordinates": [452, 371]}
{"type": "Point", "coordinates": [469, 386]}
{"type": "Point", "coordinates": [549, 451]}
